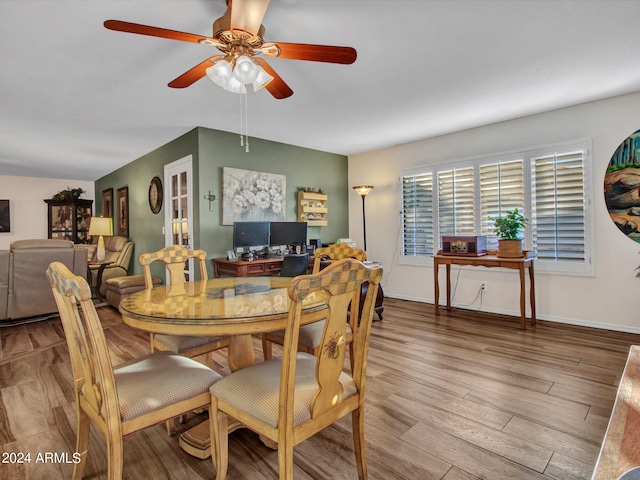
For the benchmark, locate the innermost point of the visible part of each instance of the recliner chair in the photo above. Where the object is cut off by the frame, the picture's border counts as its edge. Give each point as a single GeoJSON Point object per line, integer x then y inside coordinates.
{"type": "Point", "coordinates": [117, 250]}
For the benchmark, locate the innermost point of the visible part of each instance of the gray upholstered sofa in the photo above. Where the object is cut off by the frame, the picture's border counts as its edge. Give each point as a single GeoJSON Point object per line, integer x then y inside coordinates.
{"type": "Point", "coordinates": [24, 288]}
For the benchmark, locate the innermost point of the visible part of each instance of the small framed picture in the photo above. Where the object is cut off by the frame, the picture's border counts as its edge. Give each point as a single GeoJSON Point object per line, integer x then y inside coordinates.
{"type": "Point", "coordinates": [231, 255]}
{"type": "Point", "coordinates": [107, 202]}
{"type": "Point", "coordinates": [5, 219]}
{"type": "Point", "coordinates": [123, 211]}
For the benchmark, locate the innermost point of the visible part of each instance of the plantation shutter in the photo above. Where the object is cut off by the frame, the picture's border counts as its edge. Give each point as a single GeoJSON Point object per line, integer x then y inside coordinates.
{"type": "Point", "coordinates": [501, 190]}
{"type": "Point", "coordinates": [558, 199]}
{"type": "Point", "coordinates": [417, 214]}
{"type": "Point", "coordinates": [455, 202]}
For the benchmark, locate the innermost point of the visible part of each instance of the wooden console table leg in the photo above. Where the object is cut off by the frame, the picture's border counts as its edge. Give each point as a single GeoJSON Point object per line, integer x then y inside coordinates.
{"type": "Point", "coordinates": [436, 288]}
{"type": "Point", "coordinates": [448, 269]}
{"type": "Point", "coordinates": [532, 294]}
{"type": "Point", "coordinates": [523, 302]}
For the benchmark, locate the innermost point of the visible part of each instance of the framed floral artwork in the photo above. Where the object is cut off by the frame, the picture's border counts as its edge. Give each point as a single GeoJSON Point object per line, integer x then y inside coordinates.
{"type": "Point", "coordinates": [252, 196]}
{"type": "Point", "coordinates": [123, 212]}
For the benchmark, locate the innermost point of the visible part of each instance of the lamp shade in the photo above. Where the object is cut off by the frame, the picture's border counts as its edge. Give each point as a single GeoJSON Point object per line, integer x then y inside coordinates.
{"type": "Point", "coordinates": [220, 73]}
{"type": "Point", "coordinates": [262, 80]}
{"type": "Point", "coordinates": [245, 70]}
{"type": "Point", "coordinates": [101, 226]}
{"type": "Point", "coordinates": [234, 86]}
{"type": "Point", "coordinates": [363, 190]}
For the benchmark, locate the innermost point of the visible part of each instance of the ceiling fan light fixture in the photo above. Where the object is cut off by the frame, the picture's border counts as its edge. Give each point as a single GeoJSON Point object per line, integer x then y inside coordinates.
{"type": "Point", "coordinates": [263, 79]}
{"type": "Point", "coordinates": [220, 73]}
{"type": "Point", "coordinates": [235, 86]}
{"type": "Point", "coordinates": [245, 71]}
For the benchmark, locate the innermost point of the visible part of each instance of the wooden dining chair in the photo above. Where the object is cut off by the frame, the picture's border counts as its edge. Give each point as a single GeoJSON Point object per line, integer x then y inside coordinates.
{"type": "Point", "coordinates": [334, 252]}
{"type": "Point", "coordinates": [311, 335]}
{"type": "Point", "coordinates": [129, 397]}
{"type": "Point", "coordinates": [290, 398]}
{"type": "Point", "coordinates": [292, 266]}
{"type": "Point", "coordinates": [174, 258]}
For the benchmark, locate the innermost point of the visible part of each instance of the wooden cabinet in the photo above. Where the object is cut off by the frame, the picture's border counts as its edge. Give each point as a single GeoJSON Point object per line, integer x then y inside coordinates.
{"type": "Point", "coordinates": [69, 220]}
{"type": "Point", "coordinates": [312, 208]}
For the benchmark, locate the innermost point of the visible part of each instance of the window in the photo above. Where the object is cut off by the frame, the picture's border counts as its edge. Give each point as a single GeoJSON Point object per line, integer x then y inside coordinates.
{"type": "Point", "coordinates": [417, 214]}
{"type": "Point", "coordinates": [548, 185]}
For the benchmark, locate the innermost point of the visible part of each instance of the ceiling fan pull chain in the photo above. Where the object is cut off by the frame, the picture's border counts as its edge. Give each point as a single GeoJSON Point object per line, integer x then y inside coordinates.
{"type": "Point", "coordinates": [241, 124]}
{"type": "Point", "coordinates": [246, 121]}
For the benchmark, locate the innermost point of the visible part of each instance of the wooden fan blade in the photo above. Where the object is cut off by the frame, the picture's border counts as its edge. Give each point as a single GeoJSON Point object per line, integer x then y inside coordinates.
{"type": "Point", "coordinates": [247, 15]}
{"type": "Point", "coordinates": [193, 75]}
{"type": "Point", "coordinates": [313, 53]}
{"type": "Point", "coordinates": [277, 87]}
{"type": "Point", "coordinates": [129, 27]}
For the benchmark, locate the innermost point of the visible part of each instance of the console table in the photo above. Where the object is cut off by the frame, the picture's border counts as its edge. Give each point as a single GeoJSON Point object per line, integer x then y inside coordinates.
{"type": "Point", "coordinates": [619, 451]}
{"type": "Point", "coordinates": [490, 261]}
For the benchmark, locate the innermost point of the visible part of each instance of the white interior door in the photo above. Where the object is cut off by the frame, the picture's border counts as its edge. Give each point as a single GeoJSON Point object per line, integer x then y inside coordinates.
{"type": "Point", "coordinates": [178, 224]}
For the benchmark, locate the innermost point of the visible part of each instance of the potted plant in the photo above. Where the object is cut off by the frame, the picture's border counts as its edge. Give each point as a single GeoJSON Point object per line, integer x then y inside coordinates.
{"type": "Point", "coordinates": [507, 228]}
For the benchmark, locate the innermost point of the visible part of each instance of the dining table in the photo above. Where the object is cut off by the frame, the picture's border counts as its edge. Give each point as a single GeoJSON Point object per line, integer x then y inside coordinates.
{"type": "Point", "coordinates": [236, 306]}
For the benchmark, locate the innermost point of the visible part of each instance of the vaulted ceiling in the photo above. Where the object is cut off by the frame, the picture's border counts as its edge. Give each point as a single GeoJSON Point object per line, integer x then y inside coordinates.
{"type": "Point", "coordinates": [77, 100]}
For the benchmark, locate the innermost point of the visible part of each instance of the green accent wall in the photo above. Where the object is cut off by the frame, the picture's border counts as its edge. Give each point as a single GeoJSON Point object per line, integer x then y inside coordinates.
{"type": "Point", "coordinates": [211, 150]}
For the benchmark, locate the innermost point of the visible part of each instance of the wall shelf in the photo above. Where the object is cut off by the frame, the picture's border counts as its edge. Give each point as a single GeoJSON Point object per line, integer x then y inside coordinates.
{"type": "Point", "coordinates": [312, 208]}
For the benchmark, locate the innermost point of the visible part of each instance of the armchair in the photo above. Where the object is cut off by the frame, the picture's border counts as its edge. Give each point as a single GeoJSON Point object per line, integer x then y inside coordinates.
{"type": "Point", "coordinates": [117, 250]}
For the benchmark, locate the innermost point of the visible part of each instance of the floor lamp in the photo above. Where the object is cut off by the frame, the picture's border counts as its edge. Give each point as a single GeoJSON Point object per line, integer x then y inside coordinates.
{"type": "Point", "coordinates": [363, 190]}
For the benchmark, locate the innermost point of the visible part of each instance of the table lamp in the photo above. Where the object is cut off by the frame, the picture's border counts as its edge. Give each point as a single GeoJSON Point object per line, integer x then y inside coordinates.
{"type": "Point", "coordinates": [101, 226]}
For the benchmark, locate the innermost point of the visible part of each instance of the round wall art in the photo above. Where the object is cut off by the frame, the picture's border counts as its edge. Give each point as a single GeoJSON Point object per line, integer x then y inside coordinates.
{"type": "Point", "coordinates": [622, 187]}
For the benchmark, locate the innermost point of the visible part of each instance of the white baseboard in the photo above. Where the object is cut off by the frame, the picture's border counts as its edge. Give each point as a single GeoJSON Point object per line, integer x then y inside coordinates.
{"type": "Point", "coordinates": [514, 313]}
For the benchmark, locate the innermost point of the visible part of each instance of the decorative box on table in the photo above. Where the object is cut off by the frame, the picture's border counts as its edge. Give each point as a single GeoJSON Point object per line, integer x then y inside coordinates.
{"type": "Point", "coordinates": [469, 246]}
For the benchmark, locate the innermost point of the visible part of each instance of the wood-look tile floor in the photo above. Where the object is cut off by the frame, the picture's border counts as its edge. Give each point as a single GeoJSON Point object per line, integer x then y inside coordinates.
{"type": "Point", "coordinates": [462, 396]}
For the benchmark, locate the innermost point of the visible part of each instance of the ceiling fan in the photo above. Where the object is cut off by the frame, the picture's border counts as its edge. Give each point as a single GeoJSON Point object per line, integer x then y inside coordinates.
{"type": "Point", "coordinates": [238, 34]}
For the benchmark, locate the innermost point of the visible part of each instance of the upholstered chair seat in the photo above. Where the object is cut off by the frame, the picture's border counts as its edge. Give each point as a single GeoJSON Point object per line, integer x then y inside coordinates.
{"type": "Point", "coordinates": [240, 389]}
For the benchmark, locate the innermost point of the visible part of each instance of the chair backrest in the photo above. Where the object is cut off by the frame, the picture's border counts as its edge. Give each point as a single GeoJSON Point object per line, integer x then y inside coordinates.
{"type": "Point", "coordinates": [337, 251]}
{"type": "Point", "coordinates": [294, 265]}
{"type": "Point", "coordinates": [341, 282]}
{"type": "Point", "coordinates": [174, 258]}
{"type": "Point", "coordinates": [93, 378]}
{"type": "Point", "coordinates": [117, 250]}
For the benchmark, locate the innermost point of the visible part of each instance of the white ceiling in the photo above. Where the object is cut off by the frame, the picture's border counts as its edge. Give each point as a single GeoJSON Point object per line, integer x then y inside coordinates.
{"type": "Point", "coordinates": [77, 100]}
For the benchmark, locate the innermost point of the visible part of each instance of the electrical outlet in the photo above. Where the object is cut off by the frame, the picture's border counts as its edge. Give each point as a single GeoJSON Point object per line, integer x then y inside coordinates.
{"type": "Point", "coordinates": [483, 286]}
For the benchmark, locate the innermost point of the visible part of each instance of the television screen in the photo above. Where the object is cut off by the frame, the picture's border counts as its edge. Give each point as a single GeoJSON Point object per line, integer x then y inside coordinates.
{"type": "Point", "coordinates": [250, 234]}
{"type": "Point", "coordinates": [288, 233]}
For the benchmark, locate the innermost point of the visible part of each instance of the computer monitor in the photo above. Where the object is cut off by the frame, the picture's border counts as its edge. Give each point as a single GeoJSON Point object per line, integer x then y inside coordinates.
{"type": "Point", "coordinates": [288, 233]}
{"type": "Point", "coordinates": [251, 235]}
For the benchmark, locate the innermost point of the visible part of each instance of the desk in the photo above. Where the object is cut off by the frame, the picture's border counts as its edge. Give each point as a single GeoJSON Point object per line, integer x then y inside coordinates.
{"type": "Point", "coordinates": [231, 306]}
{"type": "Point", "coordinates": [620, 451]}
{"type": "Point", "coordinates": [490, 261]}
{"type": "Point", "coordinates": [246, 268]}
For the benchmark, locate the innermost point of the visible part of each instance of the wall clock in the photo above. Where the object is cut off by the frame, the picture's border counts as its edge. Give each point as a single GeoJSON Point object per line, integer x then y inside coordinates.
{"type": "Point", "coordinates": [155, 195]}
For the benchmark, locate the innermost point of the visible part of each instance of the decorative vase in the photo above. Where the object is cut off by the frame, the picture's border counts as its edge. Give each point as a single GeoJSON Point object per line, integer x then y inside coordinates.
{"type": "Point", "coordinates": [510, 248]}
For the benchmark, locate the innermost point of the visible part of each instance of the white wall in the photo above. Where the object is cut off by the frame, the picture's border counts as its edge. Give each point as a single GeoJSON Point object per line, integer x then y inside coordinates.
{"type": "Point", "coordinates": [610, 300]}
{"type": "Point", "coordinates": [26, 203]}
